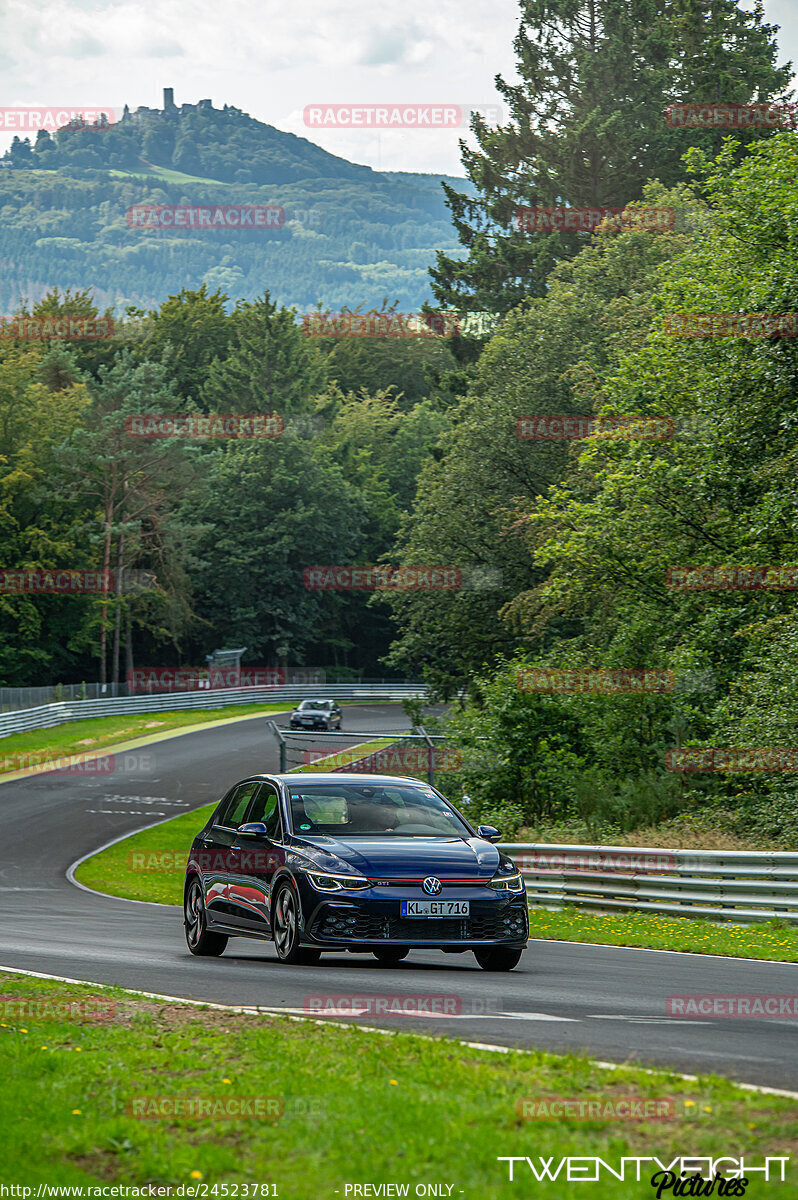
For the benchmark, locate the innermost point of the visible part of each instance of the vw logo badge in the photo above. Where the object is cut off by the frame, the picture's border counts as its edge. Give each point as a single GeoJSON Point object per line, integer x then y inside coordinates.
{"type": "Point", "coordinates": [431, 885]}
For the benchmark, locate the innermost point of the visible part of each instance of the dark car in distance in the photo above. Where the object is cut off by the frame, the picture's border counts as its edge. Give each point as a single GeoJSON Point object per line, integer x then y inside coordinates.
{"type": "Point", "coordinates": [316, 714]}
{"type": "Point", "coordinates": [365, 863]}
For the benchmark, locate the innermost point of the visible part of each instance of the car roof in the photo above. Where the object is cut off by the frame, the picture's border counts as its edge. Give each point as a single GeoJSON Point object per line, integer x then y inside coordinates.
{"type": "Point", "coordinates": [342, 777]}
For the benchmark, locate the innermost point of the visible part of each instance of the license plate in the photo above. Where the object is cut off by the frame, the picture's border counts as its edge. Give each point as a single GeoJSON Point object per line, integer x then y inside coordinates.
{"type": "Point", "coordinates": [435, 908]}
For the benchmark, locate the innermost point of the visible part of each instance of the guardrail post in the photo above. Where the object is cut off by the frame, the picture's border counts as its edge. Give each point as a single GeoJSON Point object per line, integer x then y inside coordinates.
{"type": "Point", "coordinates": [281, 741]}
{"type": "Point", "coordinates": [430, 755]}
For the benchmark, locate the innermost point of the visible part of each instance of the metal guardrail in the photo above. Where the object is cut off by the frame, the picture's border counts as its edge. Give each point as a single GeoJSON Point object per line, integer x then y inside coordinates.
{"type": "Point", "coordinates": [48, 715]}
{"type": "Point", "coordinates": [14, 698]}
{"type": "Point", "coordinates": [723, 885]}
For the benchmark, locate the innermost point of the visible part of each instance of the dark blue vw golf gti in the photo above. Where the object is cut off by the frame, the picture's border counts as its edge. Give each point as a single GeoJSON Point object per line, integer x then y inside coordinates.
{"type": "Point", "coordinates": [366, 863]}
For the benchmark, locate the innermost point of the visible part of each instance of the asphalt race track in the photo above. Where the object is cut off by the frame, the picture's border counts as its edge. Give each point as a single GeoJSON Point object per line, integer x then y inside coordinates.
{"type": "Point", "coordinates": [608, 1001]}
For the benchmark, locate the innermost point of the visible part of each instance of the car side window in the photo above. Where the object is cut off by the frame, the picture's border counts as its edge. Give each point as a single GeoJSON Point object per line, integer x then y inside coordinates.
{"type": "Point", "coordinates": [265, 807]}
{"type": "Point", "coordinates": [233, 813]}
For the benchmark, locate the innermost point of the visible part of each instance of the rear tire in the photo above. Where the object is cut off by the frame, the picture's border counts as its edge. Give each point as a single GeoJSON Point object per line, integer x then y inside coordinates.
{"type": "Point", "coordinates": [198, 939]}
{"type": "Point", "coordinates": [285, 929]}
{"type": "Point", "coordinates": [389, 956]}
{"type": "Point", "coordinates": [498, 958]}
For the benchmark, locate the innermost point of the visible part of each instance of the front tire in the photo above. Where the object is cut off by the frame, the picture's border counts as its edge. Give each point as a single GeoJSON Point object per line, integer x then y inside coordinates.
{"type": "Point", "coordinates": [198, 938]}
{"type": "Point", "coordinates": [285, 929]}
{"type": "Point", "coordinates": [498, 958]}
{"type": "Point", "coordinates": [389, 956]}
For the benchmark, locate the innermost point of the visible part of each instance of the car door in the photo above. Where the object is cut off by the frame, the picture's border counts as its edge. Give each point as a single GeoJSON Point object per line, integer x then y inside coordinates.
{"type": "Point", "coordinates": [257, 860]}
{"type": "Point", "coordinates": [217, 856]}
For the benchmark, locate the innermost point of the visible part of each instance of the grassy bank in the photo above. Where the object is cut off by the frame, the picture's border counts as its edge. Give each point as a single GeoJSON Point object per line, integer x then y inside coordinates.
{"type": "Point", "coordinates": [766, 939]}
{"type": "Point", "coordinates": [150, 865]}
{"type": "Point", "coordinates": [710, 828]}
{"type": "Point", "coordinates": [117, 1083]}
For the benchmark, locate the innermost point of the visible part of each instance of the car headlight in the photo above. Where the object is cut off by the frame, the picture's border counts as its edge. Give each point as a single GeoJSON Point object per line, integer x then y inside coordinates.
{"type": "Point", "coordinates": [507, 883]}
{"type": "Point", "coordinates": [336, 883]}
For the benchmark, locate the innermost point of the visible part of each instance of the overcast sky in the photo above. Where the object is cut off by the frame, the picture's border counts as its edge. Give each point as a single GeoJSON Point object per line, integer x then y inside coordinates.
{"type": "Point", "coordinates": [272, 59]}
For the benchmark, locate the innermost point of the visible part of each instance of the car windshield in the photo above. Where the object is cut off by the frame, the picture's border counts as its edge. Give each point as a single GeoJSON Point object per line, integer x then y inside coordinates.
{"type": "Point", "coordinates": [312, 704]}
{"type": "Point", "coordinates": [390, 810]}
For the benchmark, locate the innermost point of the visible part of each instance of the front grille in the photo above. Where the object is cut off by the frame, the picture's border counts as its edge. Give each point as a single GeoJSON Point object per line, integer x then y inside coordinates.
{"type": "Point", "coordinates": [348, 926]}
{"type": "Point", "coordinates": [428, 929]}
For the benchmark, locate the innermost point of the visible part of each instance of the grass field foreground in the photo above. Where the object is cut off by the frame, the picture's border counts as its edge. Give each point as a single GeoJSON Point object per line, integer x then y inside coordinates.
{"type": "Point", "coordinates": [138, 1091]}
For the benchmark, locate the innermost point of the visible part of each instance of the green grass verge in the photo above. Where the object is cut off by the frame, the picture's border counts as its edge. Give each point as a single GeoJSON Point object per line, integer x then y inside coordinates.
{"type": "Point", "coordinates": [766, 939]}
{"type": "Point", "coordinates": [19, 750]}
{"type": "Point", "coordinates": [354, 1107]}
{"type": "Point", "coordinates": [150, 865]}
{"type": "Point", "coordinates": [343, 758]}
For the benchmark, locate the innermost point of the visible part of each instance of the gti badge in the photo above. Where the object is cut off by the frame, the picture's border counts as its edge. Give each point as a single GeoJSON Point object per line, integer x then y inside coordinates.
{"type": "Point", "coordinates": [431, 885]}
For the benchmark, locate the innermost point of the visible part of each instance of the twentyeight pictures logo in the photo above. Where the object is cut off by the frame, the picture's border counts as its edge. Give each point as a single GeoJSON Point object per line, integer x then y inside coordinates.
{"type": "Point", "coordinates": [591, 1170]}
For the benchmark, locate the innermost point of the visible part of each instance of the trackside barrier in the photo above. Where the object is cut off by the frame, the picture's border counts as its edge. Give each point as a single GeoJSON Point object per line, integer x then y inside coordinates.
{"type": "Point", "coordinates": [48, 715]}
{"type": "Point", "coordinates": [726, 885]}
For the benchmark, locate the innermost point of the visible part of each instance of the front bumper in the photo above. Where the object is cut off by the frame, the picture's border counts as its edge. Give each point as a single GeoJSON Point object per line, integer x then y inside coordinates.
{"type": "Point", "coordinates": [337, 921]}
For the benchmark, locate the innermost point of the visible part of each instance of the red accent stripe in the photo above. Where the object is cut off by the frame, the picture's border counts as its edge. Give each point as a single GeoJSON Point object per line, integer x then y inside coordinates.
{"type": "Point", "coordinates": [418, 879]}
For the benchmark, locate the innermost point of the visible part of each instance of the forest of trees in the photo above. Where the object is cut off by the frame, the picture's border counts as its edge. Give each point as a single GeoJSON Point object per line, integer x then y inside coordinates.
{"type": "Point", "coordinates": [407, 451]}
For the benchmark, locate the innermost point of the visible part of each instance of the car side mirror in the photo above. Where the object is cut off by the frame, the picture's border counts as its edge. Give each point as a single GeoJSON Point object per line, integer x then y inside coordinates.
{"type": "Point", "coordinates": [253, 829]}
{"type": "Point", "coordinates": [489, 833]}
